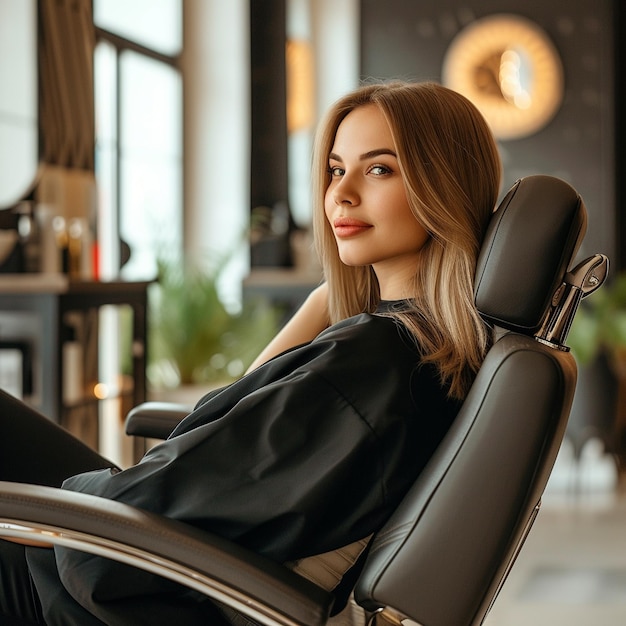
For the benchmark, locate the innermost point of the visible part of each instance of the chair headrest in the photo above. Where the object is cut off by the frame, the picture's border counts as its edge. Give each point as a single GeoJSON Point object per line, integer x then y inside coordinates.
{"type": "Point", "coordinates": [530, 242]}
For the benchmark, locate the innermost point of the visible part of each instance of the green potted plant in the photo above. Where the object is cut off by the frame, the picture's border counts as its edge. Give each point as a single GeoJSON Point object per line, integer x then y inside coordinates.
{"type": "Point", "coordinates": [194, 338]}
{"type": "Point", "coordinates": [599, 327]}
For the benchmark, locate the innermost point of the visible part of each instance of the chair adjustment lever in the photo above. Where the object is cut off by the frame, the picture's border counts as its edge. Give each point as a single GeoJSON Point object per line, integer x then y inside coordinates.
{"type": "Point", "coordinates": [580, 282]}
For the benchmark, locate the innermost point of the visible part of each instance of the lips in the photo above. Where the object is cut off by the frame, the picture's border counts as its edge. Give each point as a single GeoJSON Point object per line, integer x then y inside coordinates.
{"type": "Point", "coordinates": [349, 227]}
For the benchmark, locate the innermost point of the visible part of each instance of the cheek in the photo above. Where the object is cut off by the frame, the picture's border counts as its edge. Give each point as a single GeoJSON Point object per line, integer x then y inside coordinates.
{"type": "Point", "coordinates": [413, 225]}
{"type": "Point", "coordinates": [422, 237]}
{"type": "Point", "coordinates": [413, 229]}
{"type": "Point", "coordinates": [329, 205]}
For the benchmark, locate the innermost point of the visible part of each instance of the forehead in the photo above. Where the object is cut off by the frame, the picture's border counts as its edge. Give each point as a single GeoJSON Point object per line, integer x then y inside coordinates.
{"type": "Point", "coordinates": [362, 130]}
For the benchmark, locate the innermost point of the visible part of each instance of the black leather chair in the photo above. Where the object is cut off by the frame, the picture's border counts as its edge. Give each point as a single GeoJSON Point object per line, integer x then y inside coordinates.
{"type": "Point", "coordinates": [442, 557]}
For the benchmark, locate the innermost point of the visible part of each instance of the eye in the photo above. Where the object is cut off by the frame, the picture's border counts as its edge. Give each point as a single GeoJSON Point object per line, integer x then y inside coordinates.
{"type": "Point", "coordinates": [335, 170]}
{"type": "Point", "coordinates": [379, 170]}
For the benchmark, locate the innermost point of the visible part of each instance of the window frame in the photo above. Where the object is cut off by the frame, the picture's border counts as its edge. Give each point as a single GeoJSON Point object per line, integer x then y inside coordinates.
{"type": "Point", "coordinates": [120, 45]}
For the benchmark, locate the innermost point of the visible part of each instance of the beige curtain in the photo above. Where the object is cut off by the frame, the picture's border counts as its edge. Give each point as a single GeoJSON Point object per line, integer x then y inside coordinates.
{"type": "Point", "coordinates": [66, 89]}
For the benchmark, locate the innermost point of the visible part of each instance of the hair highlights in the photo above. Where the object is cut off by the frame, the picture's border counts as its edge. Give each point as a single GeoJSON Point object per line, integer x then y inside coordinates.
{"type": "Point", "coordinates": [451, 170]}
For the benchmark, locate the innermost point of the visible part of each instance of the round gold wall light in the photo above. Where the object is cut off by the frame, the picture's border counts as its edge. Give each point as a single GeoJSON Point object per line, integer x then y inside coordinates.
{"type": "Point", "coordinates": [509, 68]}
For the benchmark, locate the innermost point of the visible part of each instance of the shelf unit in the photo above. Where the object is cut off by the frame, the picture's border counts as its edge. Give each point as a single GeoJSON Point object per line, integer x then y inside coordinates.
{"type": "Point", "coordinates": [44, 312]}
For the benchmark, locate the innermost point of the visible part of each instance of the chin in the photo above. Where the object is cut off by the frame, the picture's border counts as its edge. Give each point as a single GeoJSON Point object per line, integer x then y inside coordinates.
{"type": "Point", "coordinates": [351, 262]}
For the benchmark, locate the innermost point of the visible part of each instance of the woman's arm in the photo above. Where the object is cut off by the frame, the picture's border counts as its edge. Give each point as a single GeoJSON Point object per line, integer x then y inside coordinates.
{"type": "Point", "coordinates": [308, 322]}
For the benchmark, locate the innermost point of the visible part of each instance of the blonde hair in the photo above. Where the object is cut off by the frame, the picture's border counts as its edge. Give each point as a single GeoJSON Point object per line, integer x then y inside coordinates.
{"type": "Point", "coordinates": [451, 169]}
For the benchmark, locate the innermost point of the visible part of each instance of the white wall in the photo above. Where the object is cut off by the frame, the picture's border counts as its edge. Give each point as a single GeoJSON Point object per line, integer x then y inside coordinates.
{"type": "Point", "coordinates": [335, 30]}
{"type": "Point", "coordinates": [217, 114]}
{"type": "Point", "coordinates": [217, 128]}
{"type": "Point", "coordinates": [18, 99]}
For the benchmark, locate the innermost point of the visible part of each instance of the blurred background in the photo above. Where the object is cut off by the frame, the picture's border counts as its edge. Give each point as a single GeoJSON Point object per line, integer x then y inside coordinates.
{"type": "Point", "coordinates": [155, 211]}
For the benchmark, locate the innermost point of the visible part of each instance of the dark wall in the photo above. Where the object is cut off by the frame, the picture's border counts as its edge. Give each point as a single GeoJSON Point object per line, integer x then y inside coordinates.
{"type": "Point", "coordinates": [408, 39]}
{"type": "Point", "coordinates": [268, 94]}
{"type": "Point", "coordinates": [268, 150]}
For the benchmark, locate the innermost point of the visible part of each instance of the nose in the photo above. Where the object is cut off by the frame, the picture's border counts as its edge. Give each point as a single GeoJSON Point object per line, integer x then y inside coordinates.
{"type": "Point", "coordinates": [345, 193]}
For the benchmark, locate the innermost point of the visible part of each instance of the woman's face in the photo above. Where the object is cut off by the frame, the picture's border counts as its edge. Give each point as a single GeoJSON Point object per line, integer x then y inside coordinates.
{"type": "Point", "coordinates": [366, 203]}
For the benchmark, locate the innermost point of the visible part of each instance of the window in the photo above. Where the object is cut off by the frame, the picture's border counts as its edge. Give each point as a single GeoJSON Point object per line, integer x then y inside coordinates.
{"type": "Point", "coordinates": [154, 24]}
{"type": "Point", "coordinates": [139, 158]}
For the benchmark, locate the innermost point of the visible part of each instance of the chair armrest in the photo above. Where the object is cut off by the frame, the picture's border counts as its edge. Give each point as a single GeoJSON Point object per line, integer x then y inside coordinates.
{"type": "Point", "coordinates": [155, 419]}
{"type": "Point", "coordinates": [264, 590]}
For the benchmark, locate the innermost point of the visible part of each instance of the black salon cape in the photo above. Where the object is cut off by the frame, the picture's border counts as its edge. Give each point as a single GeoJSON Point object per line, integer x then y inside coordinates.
{"type": "Point", "coordinates": [306, 454]}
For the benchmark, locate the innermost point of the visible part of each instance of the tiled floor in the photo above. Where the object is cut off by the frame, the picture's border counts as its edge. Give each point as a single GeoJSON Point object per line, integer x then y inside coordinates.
{"type": "Point", "coordinates": [572, 569]}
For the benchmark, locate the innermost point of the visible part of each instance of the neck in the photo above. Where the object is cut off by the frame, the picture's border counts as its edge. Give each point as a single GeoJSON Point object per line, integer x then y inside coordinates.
{"type": "Point", "coordinates": [395, 285]}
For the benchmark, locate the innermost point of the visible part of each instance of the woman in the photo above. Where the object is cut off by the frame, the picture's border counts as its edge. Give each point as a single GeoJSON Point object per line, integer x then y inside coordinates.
{"type": "Point", "coordinates": [314, 448]}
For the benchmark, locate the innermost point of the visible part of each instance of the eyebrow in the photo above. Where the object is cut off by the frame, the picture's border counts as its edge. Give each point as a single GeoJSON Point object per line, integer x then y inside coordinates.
{"type": "Point", "coordinates": [366, 155]}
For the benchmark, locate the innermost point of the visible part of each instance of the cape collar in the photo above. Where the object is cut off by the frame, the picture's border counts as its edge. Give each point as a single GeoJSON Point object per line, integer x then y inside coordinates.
{"type": "Point", "coordinates": [393, 306]}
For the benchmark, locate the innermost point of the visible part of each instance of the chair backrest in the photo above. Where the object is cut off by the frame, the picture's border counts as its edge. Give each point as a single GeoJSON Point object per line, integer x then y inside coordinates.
{"type": "Point", "coordinates": [443, 555]}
